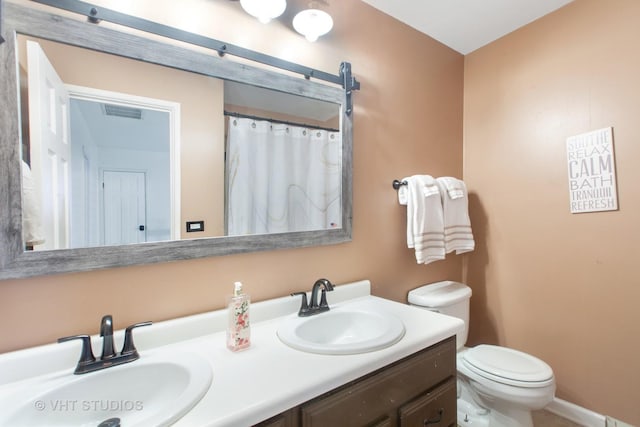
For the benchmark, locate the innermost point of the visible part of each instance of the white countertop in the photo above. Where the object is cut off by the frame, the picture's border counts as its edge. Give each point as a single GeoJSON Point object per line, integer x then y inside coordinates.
{"type": "Point", "coordinates": [264, 380]}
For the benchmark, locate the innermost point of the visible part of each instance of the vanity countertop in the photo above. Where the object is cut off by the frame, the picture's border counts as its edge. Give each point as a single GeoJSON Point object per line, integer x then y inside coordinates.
{"type": "Point", "coordinates": [267, 378]}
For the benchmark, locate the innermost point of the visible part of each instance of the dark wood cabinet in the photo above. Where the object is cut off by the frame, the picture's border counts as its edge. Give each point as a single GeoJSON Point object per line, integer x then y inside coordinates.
{"type": "Point", "coordinates": [416, 391]}
{"type": "Point", "coordinates": [435, 408]}
{"type": "Point", "coordinates": [290, 418]}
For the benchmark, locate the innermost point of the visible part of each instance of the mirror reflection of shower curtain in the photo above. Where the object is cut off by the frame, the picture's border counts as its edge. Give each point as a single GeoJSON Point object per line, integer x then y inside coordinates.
{"type": "Point", "coordinates": [282, 178]}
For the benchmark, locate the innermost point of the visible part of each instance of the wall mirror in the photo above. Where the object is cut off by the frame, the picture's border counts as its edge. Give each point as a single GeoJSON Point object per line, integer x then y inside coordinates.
{"type": "Point", "coordinates": [105, 164]}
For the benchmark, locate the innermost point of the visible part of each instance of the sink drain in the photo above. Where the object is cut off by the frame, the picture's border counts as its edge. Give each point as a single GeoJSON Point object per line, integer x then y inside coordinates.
{"type": "Point", "coordinates": [111, 422]}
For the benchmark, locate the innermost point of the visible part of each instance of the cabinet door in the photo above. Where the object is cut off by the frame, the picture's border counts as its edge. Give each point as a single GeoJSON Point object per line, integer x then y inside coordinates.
{"type": "Point", "coordinates": [437, 408]}
{"type": "Point", "coordinates": [367, 401]}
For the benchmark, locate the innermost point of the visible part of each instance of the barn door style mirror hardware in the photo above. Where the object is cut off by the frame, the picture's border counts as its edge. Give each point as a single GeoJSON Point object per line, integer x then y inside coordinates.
{"type": "Point", "coordinates": [97, 14]}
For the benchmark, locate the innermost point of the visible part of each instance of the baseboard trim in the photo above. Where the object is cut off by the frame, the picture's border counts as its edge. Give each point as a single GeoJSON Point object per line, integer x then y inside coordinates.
{"type": "Point", "coordinates": [576, 413]}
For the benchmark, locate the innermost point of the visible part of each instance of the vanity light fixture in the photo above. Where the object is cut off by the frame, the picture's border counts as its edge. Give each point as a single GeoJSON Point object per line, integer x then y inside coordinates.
{"type": "Point", "coordinates": [264, 10]}
{"type": "Point", "coordinates": [313, 22]}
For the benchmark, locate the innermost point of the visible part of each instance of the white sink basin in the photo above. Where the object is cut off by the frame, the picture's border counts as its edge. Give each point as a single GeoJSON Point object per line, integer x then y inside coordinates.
{"type": "Point", "coordinates": [153, 390]}
{"type": "Point", "coordinates": [342, 330]}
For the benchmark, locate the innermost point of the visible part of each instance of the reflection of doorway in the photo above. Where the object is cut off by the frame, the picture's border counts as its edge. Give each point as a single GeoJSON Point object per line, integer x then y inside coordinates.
{"type": "Point", "coordinates": [49, 151]}
{"type": "Point", "coordinates": [121, 132]}
{"type": "Point", "coordinates": [71, 188]}
{"type": "Point", "coordinates": [124, 211]}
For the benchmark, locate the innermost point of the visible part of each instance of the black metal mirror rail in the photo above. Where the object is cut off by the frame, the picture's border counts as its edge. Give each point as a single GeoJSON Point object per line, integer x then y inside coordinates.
{"type": "Point", "coordinates": [96, 14]}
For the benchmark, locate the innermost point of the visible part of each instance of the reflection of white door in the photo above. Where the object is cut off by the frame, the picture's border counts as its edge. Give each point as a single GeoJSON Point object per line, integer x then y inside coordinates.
{"type": "Point", "coordinates": [124, 207]}
{"type": "Point", "coordinates": [50, 151]}
{"type": "Point", "coordinates": [161, 125]}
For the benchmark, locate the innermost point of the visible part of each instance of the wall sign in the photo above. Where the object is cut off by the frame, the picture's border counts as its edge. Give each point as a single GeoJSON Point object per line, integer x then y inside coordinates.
{"type": "Point", "coordinates": [592, 173]}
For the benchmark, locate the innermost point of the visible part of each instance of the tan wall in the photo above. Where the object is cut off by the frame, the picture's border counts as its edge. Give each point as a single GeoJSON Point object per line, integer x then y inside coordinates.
{"type": "Point", "coordinates": [201, 121]}
{"type": "Point", "coordinates": [332, 123]}
{"type": "Point", "coordinates": [408, 120]}
{"type": "Point", "coordinates": [563, 287]}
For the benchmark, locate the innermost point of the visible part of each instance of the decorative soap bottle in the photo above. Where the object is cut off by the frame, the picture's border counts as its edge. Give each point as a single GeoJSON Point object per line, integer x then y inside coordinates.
{"type": "Point", "coordinates": [238, 329]}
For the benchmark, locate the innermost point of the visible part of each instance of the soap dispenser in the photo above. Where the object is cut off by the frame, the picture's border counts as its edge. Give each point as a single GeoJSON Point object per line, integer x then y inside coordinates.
{"type": "Point", "coordinates": [238, 329]}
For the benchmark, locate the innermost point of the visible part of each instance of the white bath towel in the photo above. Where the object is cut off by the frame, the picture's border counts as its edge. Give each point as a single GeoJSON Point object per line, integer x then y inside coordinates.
{"type": "Point", "coordinates": [458, 235]}
{"type": "Point", "coordinates": [425, 225]}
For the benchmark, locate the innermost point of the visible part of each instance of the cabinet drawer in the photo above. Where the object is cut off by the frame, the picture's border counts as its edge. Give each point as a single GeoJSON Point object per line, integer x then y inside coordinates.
{"type": "Point", "coordinates": [437, 408]}
{"type": "Point", "coordinates": [366, 400]}
{"type": "Point", "coordinates": [385, 422]}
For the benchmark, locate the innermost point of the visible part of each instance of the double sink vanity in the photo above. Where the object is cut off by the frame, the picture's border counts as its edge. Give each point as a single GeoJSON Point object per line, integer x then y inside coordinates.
{"type": "Point", "coordinates": [366, 361]}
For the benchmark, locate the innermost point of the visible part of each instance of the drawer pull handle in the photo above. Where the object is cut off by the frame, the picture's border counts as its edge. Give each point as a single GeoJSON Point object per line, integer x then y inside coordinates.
{"type": "Point", "coordinates": [435, 420]}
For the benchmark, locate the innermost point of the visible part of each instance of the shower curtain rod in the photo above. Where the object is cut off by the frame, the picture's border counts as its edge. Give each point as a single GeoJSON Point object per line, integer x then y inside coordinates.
{"type": "Point", "coordinates": [281, 122]}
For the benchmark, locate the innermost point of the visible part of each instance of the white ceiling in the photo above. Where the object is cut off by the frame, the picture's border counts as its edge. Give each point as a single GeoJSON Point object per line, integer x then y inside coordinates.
{"type": "Point", "coordinates": [150, 133]}
{"type": "Point", "coordinates": [466, 25]}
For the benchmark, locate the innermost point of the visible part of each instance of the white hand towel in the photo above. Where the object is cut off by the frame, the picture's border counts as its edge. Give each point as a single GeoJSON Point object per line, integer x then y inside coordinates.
{"type": "Point", "coordinates": [403, 199]}
{"type": "Point", "coordinates": [403, 192]}
{"type": "Point", "coordinates": [457, 226]}
{"type": "Point", "coordinates": [31, 220]}
{"type": "Point", "coordinates": [454, 187]}
{"type": "Point", "coordinates": [425, 225]}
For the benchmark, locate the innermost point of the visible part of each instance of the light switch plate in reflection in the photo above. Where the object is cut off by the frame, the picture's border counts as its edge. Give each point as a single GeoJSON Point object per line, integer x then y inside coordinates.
{"type": "Point", "coordinates": [195, 226]}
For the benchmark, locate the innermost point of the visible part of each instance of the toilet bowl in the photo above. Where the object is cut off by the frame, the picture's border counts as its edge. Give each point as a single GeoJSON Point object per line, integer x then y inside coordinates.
{"type": "Point", "coordinates": [497, 386]}
{"type": "Point", "coordinates": [506, 382]}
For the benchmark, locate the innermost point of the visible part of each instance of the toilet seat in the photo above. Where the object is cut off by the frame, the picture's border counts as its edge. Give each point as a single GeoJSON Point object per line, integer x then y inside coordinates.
{"type": "Point", "coordinates": [508, 366]}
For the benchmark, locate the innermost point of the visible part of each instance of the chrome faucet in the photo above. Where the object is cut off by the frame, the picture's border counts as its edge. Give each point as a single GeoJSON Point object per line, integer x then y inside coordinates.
{"type": "Point", "coordinates": [109, 357]}
{"type": "Point", "coordinates": [313, 307]}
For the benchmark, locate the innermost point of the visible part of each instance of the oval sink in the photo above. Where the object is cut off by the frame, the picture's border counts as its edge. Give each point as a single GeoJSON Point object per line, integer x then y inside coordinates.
{"type": "Point", "coordinates": [342, 331]}
{"type": "Point", "coordinates": [153, 390]}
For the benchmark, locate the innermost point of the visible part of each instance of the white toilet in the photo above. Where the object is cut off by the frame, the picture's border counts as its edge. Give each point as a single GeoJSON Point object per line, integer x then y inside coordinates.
{"type": "Point", "coordinates": [497, 386]}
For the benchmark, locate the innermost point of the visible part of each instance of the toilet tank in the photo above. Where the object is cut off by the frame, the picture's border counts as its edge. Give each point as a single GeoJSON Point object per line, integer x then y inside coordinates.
{"type": "Point", "coordinates": [447, 297]}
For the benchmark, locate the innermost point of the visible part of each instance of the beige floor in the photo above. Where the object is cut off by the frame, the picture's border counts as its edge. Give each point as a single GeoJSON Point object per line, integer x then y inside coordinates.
{"type": "Point", "coordinates": [547, 419]}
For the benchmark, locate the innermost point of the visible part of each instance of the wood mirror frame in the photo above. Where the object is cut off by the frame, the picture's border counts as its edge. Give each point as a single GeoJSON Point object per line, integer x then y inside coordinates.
{"type": "Point", "coordinates": [15, 262]}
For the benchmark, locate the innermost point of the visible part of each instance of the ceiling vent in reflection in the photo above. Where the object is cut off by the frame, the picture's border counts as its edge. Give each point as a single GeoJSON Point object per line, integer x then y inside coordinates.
{"type": "Point", "coordinates": [122, 111]}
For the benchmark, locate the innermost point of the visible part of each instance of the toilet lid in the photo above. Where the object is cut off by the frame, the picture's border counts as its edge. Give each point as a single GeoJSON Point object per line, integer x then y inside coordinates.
{"type": "Point", "coordinates": [508, 366]}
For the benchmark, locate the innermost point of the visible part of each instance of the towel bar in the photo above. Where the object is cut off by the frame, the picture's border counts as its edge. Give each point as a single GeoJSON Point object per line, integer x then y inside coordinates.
{"type": "Point", "coordinates": [397, 184]}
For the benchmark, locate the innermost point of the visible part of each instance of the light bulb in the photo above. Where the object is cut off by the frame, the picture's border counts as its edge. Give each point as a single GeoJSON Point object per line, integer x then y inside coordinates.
{"type": "Point", "coordinates": [264, 10]}
{"type": "Point", "coordinates": [312, 23]}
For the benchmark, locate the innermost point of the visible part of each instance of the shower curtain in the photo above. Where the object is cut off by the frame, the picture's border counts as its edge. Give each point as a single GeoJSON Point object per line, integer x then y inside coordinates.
{"type": "Point", "coordinates": [282, 178]}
